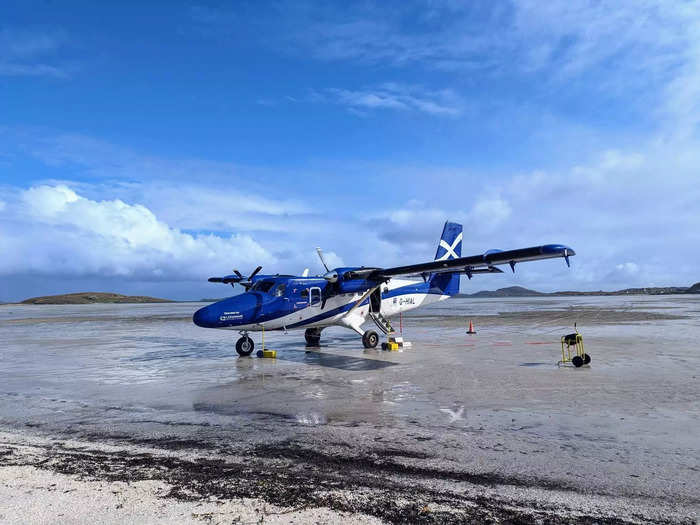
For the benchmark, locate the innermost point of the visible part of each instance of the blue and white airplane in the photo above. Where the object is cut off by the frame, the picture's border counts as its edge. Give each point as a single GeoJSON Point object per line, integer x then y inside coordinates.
{"type": "Point", "coordinates": [349, 296]}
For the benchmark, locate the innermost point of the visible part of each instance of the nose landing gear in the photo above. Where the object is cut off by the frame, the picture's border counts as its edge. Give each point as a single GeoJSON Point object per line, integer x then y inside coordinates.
{"type": "Point", "coordinates": [245, 345]}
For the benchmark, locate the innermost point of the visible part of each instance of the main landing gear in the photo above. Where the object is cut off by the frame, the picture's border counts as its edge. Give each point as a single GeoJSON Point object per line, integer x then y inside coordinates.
{"type": "Point", "coordinates": [245, 345]}
{"type": "Point", "coordinates": [370, 339]}
{"type": "Point", "coordinates": [312, 336]}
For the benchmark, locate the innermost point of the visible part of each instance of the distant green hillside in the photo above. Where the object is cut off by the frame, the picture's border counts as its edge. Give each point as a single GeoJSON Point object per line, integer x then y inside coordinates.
{"type": "Point", "coordinates": [93, 298]}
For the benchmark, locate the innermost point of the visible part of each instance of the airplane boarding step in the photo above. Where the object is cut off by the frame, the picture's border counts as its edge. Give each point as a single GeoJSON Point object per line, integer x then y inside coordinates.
{"type": "Point", "coordinates": [382, 322]}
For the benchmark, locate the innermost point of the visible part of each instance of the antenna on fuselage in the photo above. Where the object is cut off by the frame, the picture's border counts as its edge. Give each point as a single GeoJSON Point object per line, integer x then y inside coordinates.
{"type": "Point", "coordinates": [320, 256]}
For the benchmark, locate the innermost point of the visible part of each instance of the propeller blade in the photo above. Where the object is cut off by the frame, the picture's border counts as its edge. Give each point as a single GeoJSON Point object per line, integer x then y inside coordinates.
{"type": "Point", "coordinates": [255, 272]}
{"type": "Point", "coordinates": [320, 256]}
{"type": "Point", "coordinates": [239, 274]}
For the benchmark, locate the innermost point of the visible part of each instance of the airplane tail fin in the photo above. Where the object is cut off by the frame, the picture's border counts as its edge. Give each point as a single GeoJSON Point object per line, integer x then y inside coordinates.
{"type": "Point", "coordinates": [450, 247]}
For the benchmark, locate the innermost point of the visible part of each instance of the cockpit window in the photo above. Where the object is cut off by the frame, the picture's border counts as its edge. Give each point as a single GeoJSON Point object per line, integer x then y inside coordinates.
{"type": "Point", "coordinates": [262, 286]}
{"type": "Point", "coordinates": [279, 290]}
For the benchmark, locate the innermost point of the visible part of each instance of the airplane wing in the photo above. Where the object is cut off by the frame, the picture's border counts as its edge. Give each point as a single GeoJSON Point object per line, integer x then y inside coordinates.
{"type": "Point", "coordinates": [485, 263]}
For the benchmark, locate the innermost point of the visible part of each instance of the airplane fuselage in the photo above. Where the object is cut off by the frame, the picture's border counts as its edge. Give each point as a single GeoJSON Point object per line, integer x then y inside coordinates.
{"type": "Point", "coordinates": [284, 303]}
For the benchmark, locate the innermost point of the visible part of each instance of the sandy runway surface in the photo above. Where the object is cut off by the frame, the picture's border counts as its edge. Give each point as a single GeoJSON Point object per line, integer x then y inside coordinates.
{"type": "Point", "coordinates": [128, 413]}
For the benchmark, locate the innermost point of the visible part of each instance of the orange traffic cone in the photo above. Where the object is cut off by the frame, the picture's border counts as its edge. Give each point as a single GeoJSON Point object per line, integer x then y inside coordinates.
{"type": "Point", "coordinates": [471, 328]}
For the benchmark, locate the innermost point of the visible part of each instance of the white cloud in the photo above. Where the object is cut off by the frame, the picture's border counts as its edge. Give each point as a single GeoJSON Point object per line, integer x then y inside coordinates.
{"type": "Point", "coordinates": [24, 52]}
{"type": "Point", "coordinates": [631, 216]}
{"type": "Point", "coordinates": [636, 205]}
{"type": "Point", "coordinates": [52, 230]}
{"type": "Point", "coordinates": [393, 96]}
{"type": "Point", "coordinates": [225, 197]}
{"type": "Point", "coordinates": [628, 268]}
{"type": "Point", "coordinates": [488, 213]}
{"type": "Point", "coordinates": [203, 207]}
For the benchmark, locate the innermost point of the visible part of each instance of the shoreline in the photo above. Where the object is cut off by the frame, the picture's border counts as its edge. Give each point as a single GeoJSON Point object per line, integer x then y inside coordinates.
{"type": "Point", "coordinates": [283, 483]}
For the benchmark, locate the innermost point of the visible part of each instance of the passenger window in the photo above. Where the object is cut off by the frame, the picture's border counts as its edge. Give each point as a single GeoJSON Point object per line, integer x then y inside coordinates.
{"type": "Point", "coordinates": [304, 293]}
{"type": "Point", "coordinates": [279, 291]}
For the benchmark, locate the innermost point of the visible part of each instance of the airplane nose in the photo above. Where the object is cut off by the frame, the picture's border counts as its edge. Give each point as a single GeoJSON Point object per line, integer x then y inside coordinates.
{"type": "Point", "coordinates": [203, 317]}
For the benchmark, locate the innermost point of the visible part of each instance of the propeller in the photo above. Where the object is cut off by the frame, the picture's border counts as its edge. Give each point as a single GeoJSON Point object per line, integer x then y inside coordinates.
{"type": "Point", "coordinates": [329, 276]}
{"type": "Point", "coordinates": [320, 256]}
{"type": "Point", "coordinates": [247, 282]}
{"type": "Point", "coordinates": [239, 278]}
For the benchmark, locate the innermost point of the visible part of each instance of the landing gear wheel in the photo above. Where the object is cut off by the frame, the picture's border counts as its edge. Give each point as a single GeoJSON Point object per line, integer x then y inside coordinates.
{"type": "Point", "coordinates": [577, 361]}
{"type": "Point", "coordinates": [370, 339]}
{"type": "Point", "coordinates": [312, 336]}
{"type": "Point", "coordinates": [586, 359]}
{"type": "Point", "coordinates": [244, 346]}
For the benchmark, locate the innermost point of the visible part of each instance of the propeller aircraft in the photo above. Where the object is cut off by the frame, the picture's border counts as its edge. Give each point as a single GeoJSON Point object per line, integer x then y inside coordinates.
{"type": "Point", "coordinates": [348, 296]}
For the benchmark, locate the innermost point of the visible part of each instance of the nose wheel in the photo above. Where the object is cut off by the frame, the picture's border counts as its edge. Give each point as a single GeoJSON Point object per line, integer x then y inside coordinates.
{"type": "Point", "coordinates": [245, 346]}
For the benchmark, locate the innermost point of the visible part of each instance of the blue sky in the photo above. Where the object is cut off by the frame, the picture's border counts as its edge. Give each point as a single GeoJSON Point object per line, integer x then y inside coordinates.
{"type": "Point", "coordinates": [144, 148]}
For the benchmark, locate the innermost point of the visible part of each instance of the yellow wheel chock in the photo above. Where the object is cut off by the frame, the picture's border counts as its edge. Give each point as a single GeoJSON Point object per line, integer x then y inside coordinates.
{"type": "Point", "coordinates": [266, 352]}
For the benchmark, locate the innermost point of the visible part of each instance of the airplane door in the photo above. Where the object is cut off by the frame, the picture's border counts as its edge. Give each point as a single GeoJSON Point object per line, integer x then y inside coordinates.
{"type": "Point", "coordinates": [315, 296]}
{"type": "Point", "coordinates": [375, 301]}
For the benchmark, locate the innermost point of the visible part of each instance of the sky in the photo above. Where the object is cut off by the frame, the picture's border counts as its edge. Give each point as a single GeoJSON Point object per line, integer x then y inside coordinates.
{"type": "Point", "coordinates": [147, 146]}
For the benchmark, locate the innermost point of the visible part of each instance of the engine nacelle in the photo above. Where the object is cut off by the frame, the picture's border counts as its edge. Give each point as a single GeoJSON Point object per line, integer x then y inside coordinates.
{"type": "Point", "coordinates": [351, 280]}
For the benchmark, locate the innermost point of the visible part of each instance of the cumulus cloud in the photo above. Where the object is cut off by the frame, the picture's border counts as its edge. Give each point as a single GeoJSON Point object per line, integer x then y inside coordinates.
{"type": "Point", "coordinates": [631, 215]}
{"type": "Point", "coordinates": [52, 230]}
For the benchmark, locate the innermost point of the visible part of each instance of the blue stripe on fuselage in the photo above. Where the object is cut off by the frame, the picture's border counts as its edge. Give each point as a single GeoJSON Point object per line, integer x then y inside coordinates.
{"type": "Point", "coordinates": [417, 287]}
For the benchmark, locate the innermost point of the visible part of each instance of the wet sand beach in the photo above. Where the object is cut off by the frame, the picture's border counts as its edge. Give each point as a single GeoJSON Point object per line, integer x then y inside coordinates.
{"type": "Point", "coordinates": [142, 416]}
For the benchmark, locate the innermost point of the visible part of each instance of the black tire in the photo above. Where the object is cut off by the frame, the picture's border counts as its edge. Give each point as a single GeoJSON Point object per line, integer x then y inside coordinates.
{"type": "Point", "coordinates": [577, 361]}
{"type": "Point", "coordinates": [245, 346]}
{"type": "Point", "coordinates": [312, 336]}
{"type": "Point", "coordinates": [586, 359]}
{"type": "Point", "coordinates": [370, 339]}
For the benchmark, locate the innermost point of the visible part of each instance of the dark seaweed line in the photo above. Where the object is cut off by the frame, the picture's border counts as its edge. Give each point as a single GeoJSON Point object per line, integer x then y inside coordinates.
{"type": "Point", "coordinates": [309, 484]}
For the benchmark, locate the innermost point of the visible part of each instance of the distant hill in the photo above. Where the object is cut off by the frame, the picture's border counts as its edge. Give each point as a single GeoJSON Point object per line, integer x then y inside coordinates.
{"type": "Point", "coordinates": [519, 291]}
{"type": "Point", "coordinates": [664, 290]}
{"type": "Point", "coordinates": [92, 298]}
{"type": "Point", "coordinates": [694, 289]}
{"type": "Point", "coordinates": [510, 291]}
